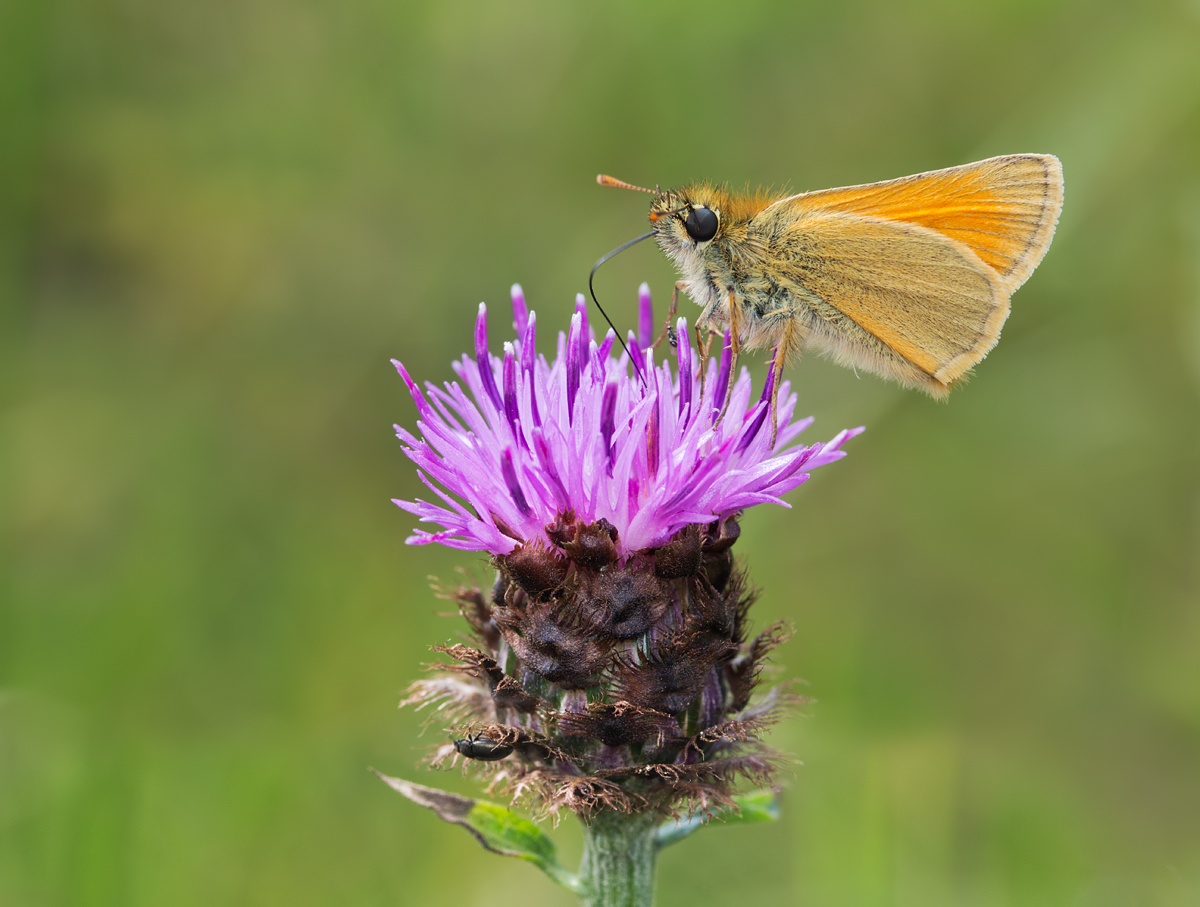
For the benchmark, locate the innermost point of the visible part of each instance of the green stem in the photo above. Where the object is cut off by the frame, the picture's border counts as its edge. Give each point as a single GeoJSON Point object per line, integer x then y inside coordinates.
{"type": "Point", "coordinates": [619, 860]}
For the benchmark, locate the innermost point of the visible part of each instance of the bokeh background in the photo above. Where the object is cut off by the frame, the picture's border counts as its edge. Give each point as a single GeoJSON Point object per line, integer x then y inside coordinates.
{"type": "Point", "coordinates": [219, 220]}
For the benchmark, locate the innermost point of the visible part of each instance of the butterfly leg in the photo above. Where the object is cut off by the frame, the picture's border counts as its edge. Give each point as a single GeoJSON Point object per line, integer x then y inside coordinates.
{"type": "Point", "coordinates": [671, 312]}
{"type": "Point", "coordinates": [703, 344]}
{"type": "Point", "coordinates": [735, 345]}
{"type": "Point", "coordinates": [788, 339]}
{"type": "Point", "coordinates": [777, 375]}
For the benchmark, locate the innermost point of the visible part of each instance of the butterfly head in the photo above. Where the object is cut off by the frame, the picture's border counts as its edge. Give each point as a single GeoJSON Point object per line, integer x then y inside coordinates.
{"type": "Point", "coordinates": [687, 223]}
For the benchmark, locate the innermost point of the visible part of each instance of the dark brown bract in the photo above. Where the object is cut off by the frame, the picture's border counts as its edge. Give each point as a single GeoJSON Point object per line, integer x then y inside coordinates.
{"type": "Point", "coordinates": [608, 683]}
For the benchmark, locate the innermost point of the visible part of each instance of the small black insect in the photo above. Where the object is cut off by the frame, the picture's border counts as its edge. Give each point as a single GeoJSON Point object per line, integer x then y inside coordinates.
{"type": "Point", "coordinates": [483, 750]}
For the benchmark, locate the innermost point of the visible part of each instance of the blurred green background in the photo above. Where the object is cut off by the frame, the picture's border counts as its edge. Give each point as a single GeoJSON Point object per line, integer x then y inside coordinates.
{"type": "Point", "coordinates": [219, 220]}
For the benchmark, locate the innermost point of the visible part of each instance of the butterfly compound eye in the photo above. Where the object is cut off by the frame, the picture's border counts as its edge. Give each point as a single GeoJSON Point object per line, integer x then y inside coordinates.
{"type": "Point", "coordinates": [701, 224]}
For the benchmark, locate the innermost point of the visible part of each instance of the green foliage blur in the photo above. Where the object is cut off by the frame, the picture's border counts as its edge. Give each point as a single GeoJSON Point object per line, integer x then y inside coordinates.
{"type": "Point", "coordinates": [219, 220]}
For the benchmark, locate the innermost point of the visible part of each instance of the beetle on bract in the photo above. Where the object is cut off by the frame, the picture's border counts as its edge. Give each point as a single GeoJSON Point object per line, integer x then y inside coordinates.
{"type": "Point", "coordinates": [482, 749]}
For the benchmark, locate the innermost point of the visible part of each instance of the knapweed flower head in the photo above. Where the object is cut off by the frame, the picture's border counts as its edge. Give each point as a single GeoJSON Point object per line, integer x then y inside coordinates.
{"type": "Point", "coordinates": [612, 664]}
{"type": "Point", "coordinates": [527, 441]}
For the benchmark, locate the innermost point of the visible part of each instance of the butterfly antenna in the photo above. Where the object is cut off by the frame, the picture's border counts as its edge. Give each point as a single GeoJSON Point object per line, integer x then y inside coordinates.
{"type": "Point", "coordinates": [614, 183]}
{"type": "Point", "coordinates": [637, 368]}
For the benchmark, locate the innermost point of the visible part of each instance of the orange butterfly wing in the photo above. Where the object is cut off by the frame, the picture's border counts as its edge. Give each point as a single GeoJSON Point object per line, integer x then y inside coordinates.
{"type": "Point", "coordinates": [1003, 209]}
{"type": "Point", "coordinates": [924, 297]}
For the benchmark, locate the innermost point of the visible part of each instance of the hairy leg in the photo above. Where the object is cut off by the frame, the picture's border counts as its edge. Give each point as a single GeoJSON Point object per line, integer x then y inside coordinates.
{"type": "Point", "coordinates": [702, 345]}
{"type": "Point", "coordinates": [784, 350]}
{"type": "Point", "coordinates": [735, 345]}
{"type": "Point", "coordinates": [671, 312]}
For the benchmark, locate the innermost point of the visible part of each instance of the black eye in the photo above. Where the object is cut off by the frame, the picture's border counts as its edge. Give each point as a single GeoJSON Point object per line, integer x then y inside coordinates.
{"type": "Point", "coordinates": [701, 224]}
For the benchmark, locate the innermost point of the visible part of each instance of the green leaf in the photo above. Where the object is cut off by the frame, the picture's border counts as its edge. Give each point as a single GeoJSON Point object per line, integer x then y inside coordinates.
{"type": "Point", "coordinates": [498, 829]}
{"type": "Point", "coordinates": [760, 806]}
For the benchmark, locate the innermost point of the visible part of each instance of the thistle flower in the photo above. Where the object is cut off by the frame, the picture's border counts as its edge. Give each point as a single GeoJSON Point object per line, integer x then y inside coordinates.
{"type": "Point", "coordinates": [611, 667]}
{"type": "Point", "coordinates": [612, 657]}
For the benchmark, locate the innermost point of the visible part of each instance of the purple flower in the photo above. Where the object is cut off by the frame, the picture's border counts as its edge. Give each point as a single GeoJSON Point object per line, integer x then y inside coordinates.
{"type": "Point", "coordinates": [520, 440]}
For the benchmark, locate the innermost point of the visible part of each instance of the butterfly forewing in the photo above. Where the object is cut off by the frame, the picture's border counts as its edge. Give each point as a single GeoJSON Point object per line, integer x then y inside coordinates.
{"type": "Point", "coordinates": [1004, 209]}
